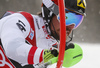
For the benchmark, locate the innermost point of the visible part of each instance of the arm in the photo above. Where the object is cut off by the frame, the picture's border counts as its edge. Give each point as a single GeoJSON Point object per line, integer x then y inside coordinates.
{"type": "Point", "coordinates": [13, 40]}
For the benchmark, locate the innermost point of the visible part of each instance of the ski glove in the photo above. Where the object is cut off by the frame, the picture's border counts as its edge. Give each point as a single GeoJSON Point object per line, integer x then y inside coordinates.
{"type": "Point", "coordinates": [49, 54]}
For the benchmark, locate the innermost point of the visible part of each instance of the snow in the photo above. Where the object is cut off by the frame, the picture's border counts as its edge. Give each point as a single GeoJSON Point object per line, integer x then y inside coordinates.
{"type": "Point", "coordinates": [91, 56]}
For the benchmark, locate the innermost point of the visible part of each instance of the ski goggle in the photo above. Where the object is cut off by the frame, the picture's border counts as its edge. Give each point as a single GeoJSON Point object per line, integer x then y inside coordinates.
{"type": "Point", "coordinates": [72, 18]}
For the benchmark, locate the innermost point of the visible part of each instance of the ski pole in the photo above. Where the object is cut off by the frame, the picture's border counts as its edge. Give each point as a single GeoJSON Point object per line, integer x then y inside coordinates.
{"type": "Point", "coordinates": [62, 33]}
{"type": "Point", "coordinates": [51, 61]}
{"type": "Point", "coordinates": [43, 65]}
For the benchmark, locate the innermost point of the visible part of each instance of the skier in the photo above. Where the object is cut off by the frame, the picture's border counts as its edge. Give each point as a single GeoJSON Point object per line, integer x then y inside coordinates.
{"type": "Point", "coordinates": [29, 39]}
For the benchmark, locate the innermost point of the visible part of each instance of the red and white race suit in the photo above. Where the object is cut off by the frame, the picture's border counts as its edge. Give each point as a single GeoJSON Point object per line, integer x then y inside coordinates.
{"type": "Point", "coordinates": [16, 29]}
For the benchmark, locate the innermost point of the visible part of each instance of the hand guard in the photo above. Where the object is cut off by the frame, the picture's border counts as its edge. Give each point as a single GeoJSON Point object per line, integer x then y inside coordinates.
{"type": "Point", "coordinates": [73, 55]}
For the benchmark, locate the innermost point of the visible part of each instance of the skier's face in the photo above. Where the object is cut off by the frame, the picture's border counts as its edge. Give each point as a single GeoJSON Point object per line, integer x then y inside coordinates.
{"type": "Point", "coordinates": [55, 28]}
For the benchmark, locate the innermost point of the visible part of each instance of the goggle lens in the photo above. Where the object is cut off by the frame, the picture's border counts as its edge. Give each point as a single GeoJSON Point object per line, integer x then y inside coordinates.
{"type": "Point", "coordinates": [73, 18]}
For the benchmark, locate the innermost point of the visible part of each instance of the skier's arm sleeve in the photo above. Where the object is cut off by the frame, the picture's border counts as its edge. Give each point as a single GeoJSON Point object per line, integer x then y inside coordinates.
{"type": "Point", "coordinates": [13, 40]}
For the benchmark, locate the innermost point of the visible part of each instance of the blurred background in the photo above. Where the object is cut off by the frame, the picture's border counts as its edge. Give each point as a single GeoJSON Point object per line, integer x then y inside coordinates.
{"type": "Point", "coordinates": [88, 33]}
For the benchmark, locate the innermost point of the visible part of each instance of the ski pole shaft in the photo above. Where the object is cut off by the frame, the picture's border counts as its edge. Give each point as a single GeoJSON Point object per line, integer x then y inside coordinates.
{"type": "Point", "coordinates": [51, 61]}
{"type": "Point", "coordinates": [43, 65]}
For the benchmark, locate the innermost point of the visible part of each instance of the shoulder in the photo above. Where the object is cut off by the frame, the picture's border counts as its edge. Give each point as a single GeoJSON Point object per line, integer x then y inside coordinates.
{"type": "Point", "coordinates": [15, 21]}
{"type": "Point", "coordinates": [14, 17]}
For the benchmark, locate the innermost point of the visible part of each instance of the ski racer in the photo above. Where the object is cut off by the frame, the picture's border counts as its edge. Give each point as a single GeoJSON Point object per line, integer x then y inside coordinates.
{"type": "Point", "coordinates": [29, 39]}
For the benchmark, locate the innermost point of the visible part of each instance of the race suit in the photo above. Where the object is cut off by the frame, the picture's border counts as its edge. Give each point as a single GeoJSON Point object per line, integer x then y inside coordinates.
{"type": "Point", "coordinates": [23, 39]}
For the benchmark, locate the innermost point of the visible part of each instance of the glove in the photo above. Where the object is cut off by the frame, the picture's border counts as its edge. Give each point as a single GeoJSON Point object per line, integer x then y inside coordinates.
{"type": "Point", "coordinates": [73, 55]}
{"type": "Point", "coordinates": [49, 54]}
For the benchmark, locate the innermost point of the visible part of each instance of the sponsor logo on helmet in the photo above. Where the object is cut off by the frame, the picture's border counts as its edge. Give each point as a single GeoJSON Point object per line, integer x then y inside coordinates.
{"type": "Point", "coordinates": [81, 3]}
{"type": "Point", "coordinates": [53, 7]}
{"type": "Point", "coordinates": [80, 11]}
